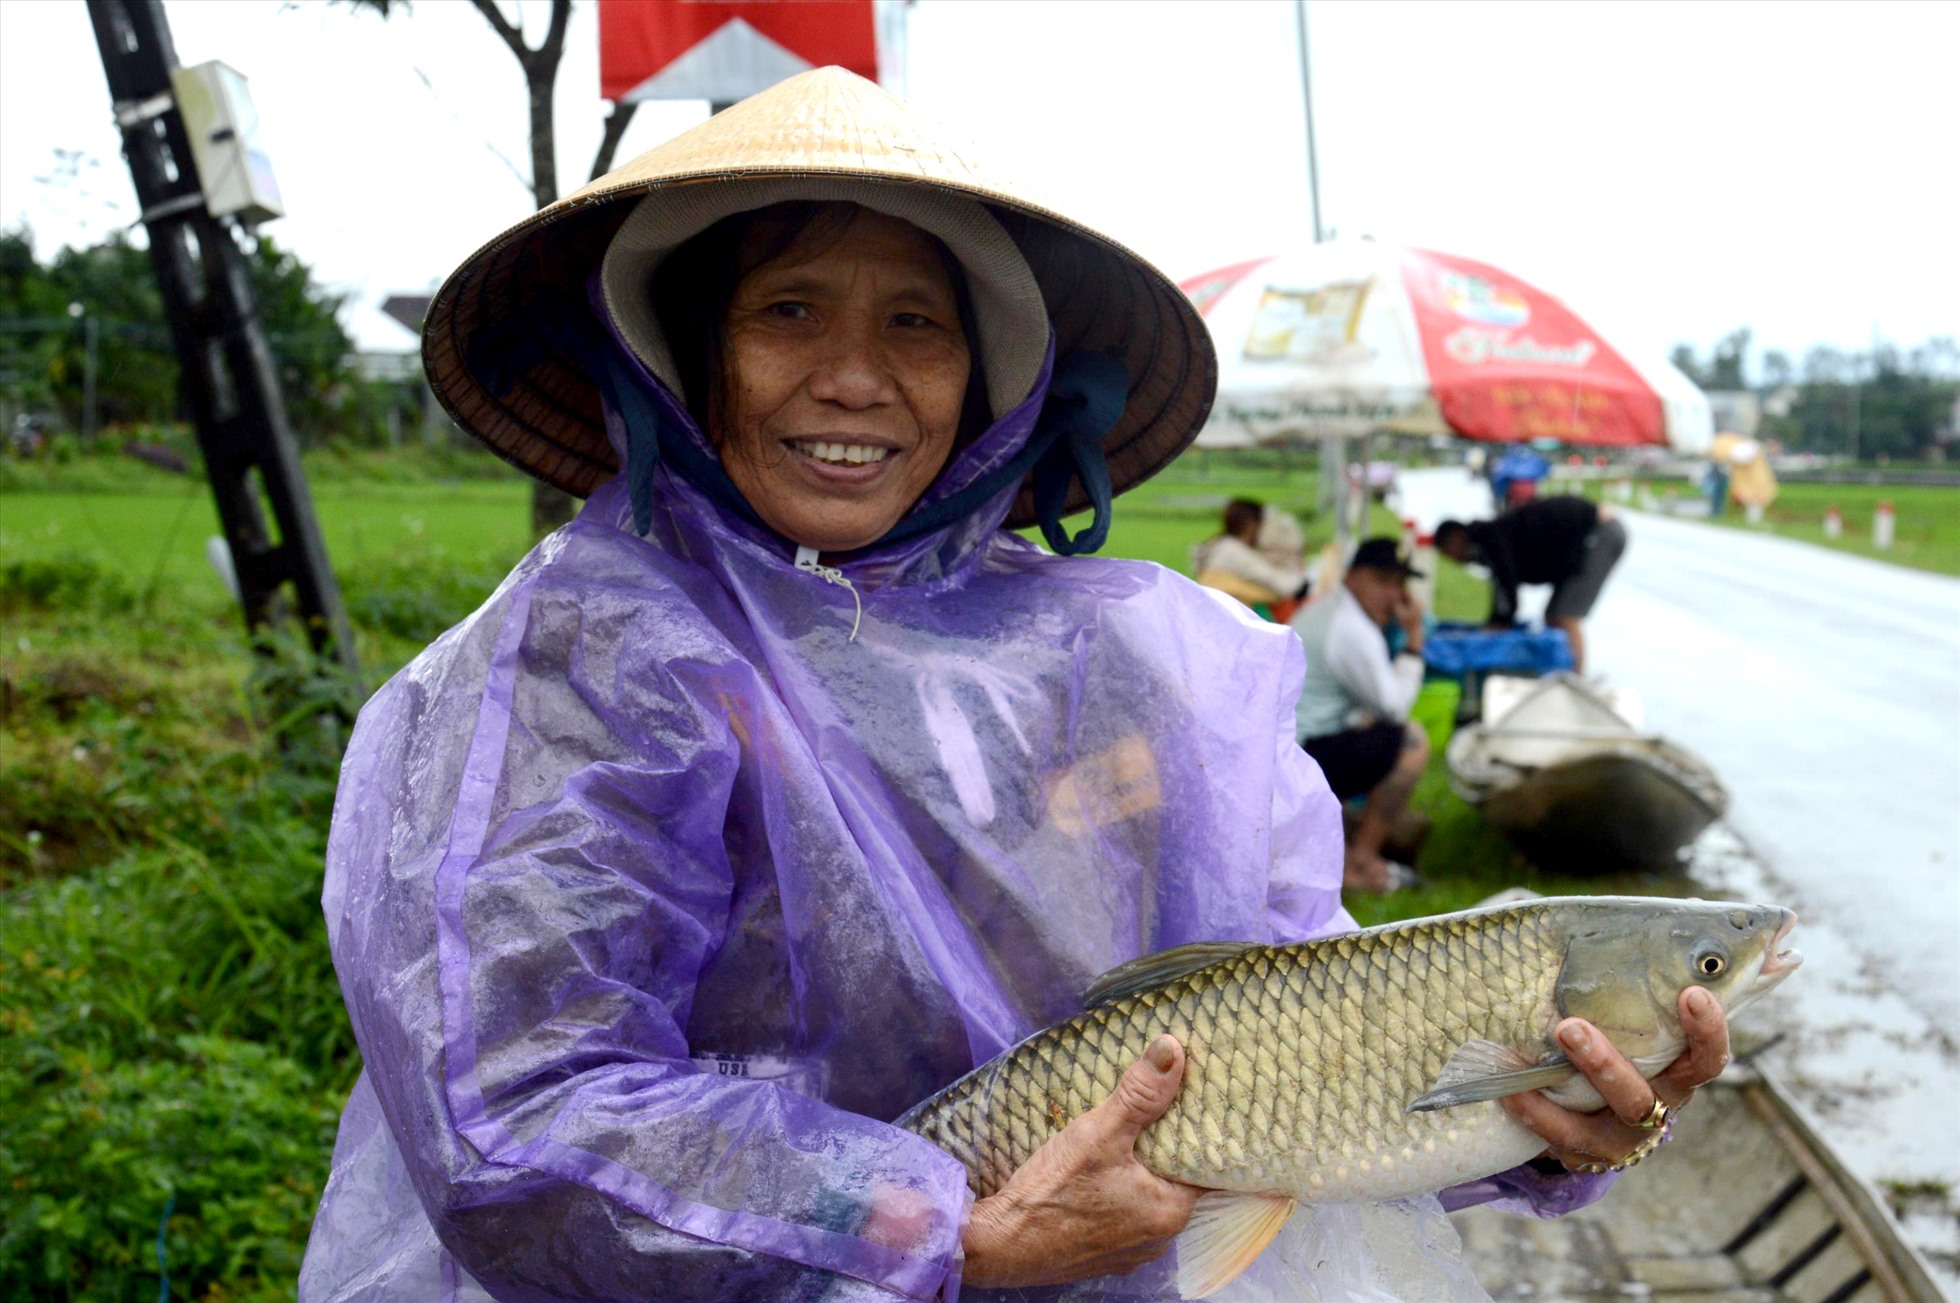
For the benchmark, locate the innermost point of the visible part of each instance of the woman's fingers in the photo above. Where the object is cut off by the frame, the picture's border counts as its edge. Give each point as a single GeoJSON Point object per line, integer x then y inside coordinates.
{"type": "Point", "coordinates": [1707, 1030]}
{"type": "Point", "coordinates": [1579, 1138]}
{"type": "Point", "coordinates": [1142, 1095]}
{"type": "Point", "coordinates": [1082, 1206]}
{"type": "Point", "coordinates": [1622, 1129]}
{"type": "Point", "coordinates": [1627, 1094]}
{"type": "Point", "coordinates": [1561, 1129]}
{"type": "Point", "coordinates": [1575, 1139]}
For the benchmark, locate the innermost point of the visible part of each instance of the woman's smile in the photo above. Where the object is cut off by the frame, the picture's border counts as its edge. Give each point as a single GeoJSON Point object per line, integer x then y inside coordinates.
{"type": "Point", "coordinates": [840, 453]}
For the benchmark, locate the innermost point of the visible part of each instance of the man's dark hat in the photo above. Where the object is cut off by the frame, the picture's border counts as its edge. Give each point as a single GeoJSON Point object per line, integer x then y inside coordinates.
{"type": "Point", "coordinates": [1384, 554]}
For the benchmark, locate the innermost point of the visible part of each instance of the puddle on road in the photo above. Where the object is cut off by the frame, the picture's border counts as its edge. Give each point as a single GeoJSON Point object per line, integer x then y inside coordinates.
{"type": "Point", "coordinates": [1882, 1082]}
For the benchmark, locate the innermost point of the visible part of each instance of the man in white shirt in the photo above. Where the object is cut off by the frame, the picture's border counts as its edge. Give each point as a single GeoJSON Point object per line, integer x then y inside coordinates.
{"type": "Point", "coordinates": [1353, 716]}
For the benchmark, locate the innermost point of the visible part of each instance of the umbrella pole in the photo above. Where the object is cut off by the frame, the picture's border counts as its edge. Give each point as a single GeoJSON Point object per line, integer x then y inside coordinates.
{"type": "Point", "coordinates": [1334, 463]}
{"type": "Point", "coordinates": [1360, 506]}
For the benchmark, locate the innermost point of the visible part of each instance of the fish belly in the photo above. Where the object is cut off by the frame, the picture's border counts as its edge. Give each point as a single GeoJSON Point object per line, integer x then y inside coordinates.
{"type": "Point", "coordinates": [1470, 1142]}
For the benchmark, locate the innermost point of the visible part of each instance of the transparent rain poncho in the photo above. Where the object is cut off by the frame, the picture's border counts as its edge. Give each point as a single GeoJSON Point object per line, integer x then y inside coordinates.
{"type": "Point", "coordinates": [655, 893]}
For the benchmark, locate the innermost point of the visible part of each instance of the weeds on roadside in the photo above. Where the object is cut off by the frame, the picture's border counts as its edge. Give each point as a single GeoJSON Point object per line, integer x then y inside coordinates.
{"type": "Point", "coordinates": [173, 1049]}
{"type": "Point", "coordinates": [414, 596]}
{"type": "Point", "coordinates": [62, 583]}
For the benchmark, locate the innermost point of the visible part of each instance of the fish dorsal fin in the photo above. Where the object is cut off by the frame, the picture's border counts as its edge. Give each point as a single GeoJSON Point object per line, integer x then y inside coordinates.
{"type": "Point", "coordinates": [1481, 1070]}
{"type": "Point", "coordinates": [1155, 970]}
{"type": "Point", "coordinates": [1226, 1232]}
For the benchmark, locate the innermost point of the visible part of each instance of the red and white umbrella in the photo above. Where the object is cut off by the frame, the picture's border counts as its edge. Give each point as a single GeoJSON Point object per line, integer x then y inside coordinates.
{"type": "Point", "coordinates": [1352, 338]}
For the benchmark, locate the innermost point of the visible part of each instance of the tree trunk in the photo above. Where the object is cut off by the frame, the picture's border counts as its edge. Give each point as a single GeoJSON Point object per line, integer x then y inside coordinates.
{"type": "Point", "coordinates": [616, 123]}
{"type": "Point", "coordinates": [540, 73]}
{"type": "Point", "coordinates": [551, 507]}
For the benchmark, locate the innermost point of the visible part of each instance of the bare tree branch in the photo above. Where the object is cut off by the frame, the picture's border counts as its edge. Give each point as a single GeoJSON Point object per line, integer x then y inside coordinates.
{"type": "Point", "coordinates": [513, 36]}
{"type": "Point", "coordinates": [616, 124]}
{"type": "Point", "coordinates": [554, 39]}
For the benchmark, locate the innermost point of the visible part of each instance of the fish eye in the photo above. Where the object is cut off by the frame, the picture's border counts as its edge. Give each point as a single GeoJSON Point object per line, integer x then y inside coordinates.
{"type": "Point", "coordinates": [1710, 965]}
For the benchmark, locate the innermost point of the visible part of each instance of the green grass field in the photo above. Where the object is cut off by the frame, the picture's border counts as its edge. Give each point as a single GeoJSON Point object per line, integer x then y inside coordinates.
{"type": "Point", "coordinates": [1926, 532]}
{"type": "Point", "coordinates": [1926, 519]}
{"type": "Point", "coordinates": [158, 539]}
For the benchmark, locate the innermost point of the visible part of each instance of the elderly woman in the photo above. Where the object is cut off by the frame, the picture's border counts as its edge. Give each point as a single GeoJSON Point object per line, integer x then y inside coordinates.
{"type": "Point", "coordinates": [785, 785]}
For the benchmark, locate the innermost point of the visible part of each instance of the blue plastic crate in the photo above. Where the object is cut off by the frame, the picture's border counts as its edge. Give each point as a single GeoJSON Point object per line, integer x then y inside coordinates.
{"type": "Point", "coordinates": [1454, 650]}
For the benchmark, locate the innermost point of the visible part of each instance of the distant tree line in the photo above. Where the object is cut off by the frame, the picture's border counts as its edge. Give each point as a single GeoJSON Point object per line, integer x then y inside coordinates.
{"type": "Point", "coordinates": [1888, 401]}
{"type": "Point", "coordinates": [45, 311]}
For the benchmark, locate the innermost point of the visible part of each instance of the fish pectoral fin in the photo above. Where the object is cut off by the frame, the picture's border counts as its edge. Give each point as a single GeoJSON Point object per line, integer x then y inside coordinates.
{"type": "Point", "coordinates": [1226, 1232]}
{"type": "Point", "coordinates": [1481, 1070]}
{"type": "Point", "coordinates": [1156, 969]}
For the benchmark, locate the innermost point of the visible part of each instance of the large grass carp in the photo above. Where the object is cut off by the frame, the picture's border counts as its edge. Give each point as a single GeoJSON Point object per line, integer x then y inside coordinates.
{"type": "Point", "coordinates": [1360, 1067]}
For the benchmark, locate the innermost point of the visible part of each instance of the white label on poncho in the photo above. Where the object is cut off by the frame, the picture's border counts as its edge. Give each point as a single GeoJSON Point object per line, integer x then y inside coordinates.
{"type": "Point", "coordinates": [804, 1076]}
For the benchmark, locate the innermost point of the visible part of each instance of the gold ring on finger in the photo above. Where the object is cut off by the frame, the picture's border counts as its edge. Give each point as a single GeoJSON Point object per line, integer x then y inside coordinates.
{"type": "Point", "coordinates": [1656, 1116]}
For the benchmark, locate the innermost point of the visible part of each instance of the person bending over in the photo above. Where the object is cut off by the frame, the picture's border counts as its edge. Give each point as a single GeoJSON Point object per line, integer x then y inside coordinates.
{"type": "Point", "coordinates": [1563, 541]}
{"type": "Point", "coordinates": [1353, 715]}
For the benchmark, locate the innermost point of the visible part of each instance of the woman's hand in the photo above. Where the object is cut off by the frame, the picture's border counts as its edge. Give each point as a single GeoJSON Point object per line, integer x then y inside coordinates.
{"type": "Point", "coordinates": [1083, 1205]}
{"type": "Point", "coordinates": [1610, 1135]}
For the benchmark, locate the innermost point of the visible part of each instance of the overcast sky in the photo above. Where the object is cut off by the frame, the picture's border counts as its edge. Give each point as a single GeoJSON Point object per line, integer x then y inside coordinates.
{"type": "Point", "coordinates": [1671, 170]}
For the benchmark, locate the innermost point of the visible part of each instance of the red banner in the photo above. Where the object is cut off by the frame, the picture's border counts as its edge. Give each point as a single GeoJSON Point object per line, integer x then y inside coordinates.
{"type": "Point", "coordinates": [700, 49]}
{"type": "Point", "coordinates": [1509, 362]}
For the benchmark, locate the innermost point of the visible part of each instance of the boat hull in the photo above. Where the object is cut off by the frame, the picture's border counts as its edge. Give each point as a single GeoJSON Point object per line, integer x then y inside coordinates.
{"type": "Point", "coordinates": [1577, 786]}
{"type": "Point", "coordinates": [1746, 1206]}
{"type": "Point", "coordinates": [1611, 811]}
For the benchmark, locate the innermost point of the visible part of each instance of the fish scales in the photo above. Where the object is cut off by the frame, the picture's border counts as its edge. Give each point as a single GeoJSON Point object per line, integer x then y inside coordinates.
{"type": "Point", "coordinates": [1301, 1061]}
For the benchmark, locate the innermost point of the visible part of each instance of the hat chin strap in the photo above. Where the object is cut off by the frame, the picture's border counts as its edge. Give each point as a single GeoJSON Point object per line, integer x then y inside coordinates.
{"type": "Point", "coordinates": [1085, 399]}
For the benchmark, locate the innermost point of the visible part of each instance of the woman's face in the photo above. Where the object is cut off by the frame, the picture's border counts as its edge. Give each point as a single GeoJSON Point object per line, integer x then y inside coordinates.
{"type": "Point", "coordinates": [846, 372]}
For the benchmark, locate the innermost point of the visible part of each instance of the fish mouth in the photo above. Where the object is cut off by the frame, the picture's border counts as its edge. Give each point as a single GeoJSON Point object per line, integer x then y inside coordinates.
{"type": "Point", "coordinates": [1778, 962]}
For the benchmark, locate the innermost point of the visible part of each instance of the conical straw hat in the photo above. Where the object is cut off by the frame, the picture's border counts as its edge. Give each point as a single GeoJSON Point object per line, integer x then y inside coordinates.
{"type": "Point", "coordinates": [823, 123]}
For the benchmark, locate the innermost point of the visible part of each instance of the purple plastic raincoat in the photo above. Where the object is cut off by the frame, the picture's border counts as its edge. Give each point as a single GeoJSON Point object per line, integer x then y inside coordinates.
{"type": "Point", "coordinates": [655, 894]}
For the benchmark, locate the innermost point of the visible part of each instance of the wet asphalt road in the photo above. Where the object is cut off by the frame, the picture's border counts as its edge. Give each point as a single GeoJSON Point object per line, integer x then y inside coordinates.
{"type": "Point", "coordinates": [1825, 691]}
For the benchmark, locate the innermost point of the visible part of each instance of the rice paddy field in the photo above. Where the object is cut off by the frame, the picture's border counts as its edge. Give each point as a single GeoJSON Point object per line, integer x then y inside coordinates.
{"type": "Point", "coordinates": [1926, 519]}
{"type": "Point", "coordinates": [173, 1051]}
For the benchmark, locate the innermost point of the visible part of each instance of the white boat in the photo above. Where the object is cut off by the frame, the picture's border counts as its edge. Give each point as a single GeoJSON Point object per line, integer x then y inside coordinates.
{"type": "Point", "coordinates": [1563, 768]}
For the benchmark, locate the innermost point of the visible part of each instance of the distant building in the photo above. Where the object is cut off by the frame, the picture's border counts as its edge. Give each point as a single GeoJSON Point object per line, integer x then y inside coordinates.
{"type": "Point", "coordinates": [409, 310]}
{"type": "Point", "coordinates": [402, 366]}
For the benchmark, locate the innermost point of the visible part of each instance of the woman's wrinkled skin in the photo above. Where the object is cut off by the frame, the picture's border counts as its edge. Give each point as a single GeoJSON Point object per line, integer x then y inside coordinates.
{"type": "Point", "coordinates": [852, 343]}
{"type": "Point", "coordinates": [847, 370]}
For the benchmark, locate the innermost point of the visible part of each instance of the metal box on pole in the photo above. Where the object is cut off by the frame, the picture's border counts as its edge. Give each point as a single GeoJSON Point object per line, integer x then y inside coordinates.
{"type": "Point", "coordinates": [223, 127]}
